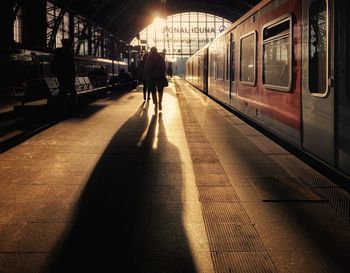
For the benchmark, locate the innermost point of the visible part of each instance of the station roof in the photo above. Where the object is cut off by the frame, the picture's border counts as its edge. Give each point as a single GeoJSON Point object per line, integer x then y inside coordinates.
{"type": "Point", "coordinates": [126, 18]}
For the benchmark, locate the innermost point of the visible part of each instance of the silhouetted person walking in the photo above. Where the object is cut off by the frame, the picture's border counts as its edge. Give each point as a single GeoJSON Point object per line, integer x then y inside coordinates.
{"type": "Point", "coordinates": [142, 78]}
{"type": "Point", "coordinates": [154, 72]}
{"type": "Point", "coordinates": [133, 70]}
{"type": "Point", "coordinates": [63, 68]}
{"type": "Point", "coordinates": [169, 70]}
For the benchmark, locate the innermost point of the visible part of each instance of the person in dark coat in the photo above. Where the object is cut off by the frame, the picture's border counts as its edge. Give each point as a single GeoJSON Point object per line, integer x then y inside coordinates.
{"type": "Point", "coordinates": [63, 68]}
{"type": "Point", "coordinates": [133, 70]}
{"type": "Point", "coordinates": [169, 70]}
{"type": "Point", "coordinates": [142, 78]}
{"type": "Point", "coordinates": [98, 77]}
{"type": "Point", "coordinates": [154, 73]}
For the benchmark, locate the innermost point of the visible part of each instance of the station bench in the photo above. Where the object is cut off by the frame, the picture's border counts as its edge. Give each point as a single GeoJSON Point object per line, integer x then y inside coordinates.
{"type": "Point", "coordinates": [48, 88]}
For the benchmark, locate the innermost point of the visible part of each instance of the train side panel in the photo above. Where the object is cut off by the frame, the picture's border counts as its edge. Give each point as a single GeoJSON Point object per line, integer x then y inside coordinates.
{"type": "Point", "coordinates": [261, 94]}
{"type": "Point", "coordinates": [196, 69]}
{"type": "Point", "coordinates": [276, 61]}
{"type": "Point", "coordinates": [218, 70]}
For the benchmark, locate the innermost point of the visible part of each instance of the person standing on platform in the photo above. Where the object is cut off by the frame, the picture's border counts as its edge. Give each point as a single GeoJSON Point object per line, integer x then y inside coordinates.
{"type": "Point", "coordinates": [133, 70]}
{"type": "Point", "coordinates": [169, 70]}
{"type": "Point", "coordinates": [62, 66]}
{"type": "Point", "coordinates": [154, 73]}
{"type": "Point", "coordinates": [142, 78]}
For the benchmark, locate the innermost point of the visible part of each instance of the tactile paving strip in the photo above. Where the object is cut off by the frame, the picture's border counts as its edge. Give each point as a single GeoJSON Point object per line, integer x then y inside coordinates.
{"type": "Point", "coordinates": [220, 212]}
{"type": "Point", "coordinates": [300, 170]}
{"type": "Point", "coordinates": [217, 194]}
{"type": "Point", "coordinates": [242, 262]}
{"type": "Point", "coordinates": [227, 224]}
{"type": "Point", "coordinates": [337, 199]}
{"type": "Point", "coordinates": [235, 237]}
{"type": "Point", "coordinates": [203, 155]}
{"type": "Point", "coordinates": [208, 168]}
{"type": "Point", "coordinates": [212, 179]}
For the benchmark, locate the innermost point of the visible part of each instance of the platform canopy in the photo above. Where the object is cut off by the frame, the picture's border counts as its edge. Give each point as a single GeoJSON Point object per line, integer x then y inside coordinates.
{"type": "Point", "coordinates": [126, 18]}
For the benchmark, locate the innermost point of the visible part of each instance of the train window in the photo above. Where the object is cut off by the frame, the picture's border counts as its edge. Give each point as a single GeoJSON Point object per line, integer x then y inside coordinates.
{"type": "Point", "coordinates": [248, 58]}
{"type": "Point", "coordinates": [212, 65]}
{"type": "Point", "coordinates": [192, 69]}
{"type": "Point", "coordinates": [199, 74]}
{"type": "Point", "coordinates": [227, 62]}
{"type": "Point", "coordinates": [277, 54]}
{"type": "Point", "coordinates": [220, 67]}
{"type": "Point", "coordinates": [318, 47]}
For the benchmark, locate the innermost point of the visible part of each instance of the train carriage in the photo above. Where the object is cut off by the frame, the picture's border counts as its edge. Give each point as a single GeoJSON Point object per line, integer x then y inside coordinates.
{"type": "Point", "coordinates": [197, 69]}
{"type": "Point", "coordinates": [25, 64]}
{"type": "Point", "coordinates": [283, 65]}
{"type": "Point", "coordinates": [28, 76]}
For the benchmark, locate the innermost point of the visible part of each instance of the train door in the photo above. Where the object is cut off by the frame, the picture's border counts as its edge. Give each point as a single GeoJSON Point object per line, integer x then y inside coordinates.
{"type": "Point", "coordinates": [343, 86]}
{"type": "Point", "coordinates": [205, 70]}
{"type": "Point", "coordinates": [227, 66]}
{"type": "Point", "coordinates": [232, 67]}
{"type": "Point", "coordinates": [317, 83]}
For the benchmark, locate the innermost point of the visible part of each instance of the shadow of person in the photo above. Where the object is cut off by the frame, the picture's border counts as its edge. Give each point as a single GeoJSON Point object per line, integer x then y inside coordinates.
{"type": "Point", "coordinates": [129, 216]}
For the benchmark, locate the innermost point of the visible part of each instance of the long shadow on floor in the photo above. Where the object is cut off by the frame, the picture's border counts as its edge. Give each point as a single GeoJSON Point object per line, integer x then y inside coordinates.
{"type": "Point", "coordinates": [129, 217]}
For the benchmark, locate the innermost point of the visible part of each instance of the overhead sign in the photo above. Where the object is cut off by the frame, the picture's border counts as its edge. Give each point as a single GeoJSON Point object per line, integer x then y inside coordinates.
{"type": "Point", "coordinates": [182, 33]}
{"type": "Point", "coordinates": [188, 30]}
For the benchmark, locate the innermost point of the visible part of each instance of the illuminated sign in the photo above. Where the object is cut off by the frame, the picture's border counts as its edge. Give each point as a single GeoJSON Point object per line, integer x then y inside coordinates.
{"type": "Point", "coordinates": [181, 34]}
{"type": "Point", "coordinates": [188, 30]}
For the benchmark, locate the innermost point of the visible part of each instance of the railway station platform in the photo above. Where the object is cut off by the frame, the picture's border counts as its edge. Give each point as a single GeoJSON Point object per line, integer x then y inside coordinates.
{"type": "Point", "coordinates": [192, 188]}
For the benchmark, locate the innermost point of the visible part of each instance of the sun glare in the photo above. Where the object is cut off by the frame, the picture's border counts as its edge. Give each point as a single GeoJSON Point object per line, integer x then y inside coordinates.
{"type": "Point", "coordinates": [158, 23]}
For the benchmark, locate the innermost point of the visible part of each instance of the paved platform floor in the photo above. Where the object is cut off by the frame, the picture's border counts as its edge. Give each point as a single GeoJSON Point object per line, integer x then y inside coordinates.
{"type": "Point", "coordinates": [123, 188]}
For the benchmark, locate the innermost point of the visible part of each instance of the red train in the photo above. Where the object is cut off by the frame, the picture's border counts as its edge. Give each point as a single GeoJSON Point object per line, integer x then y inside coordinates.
{"type": "Point", "coordinates": [285, 66]}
